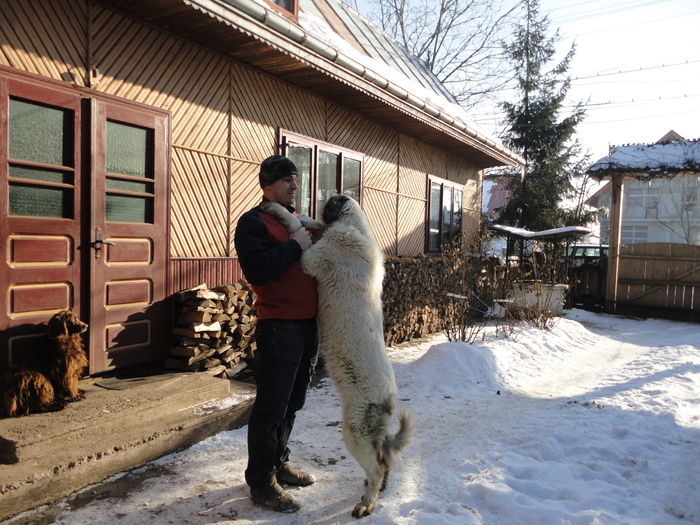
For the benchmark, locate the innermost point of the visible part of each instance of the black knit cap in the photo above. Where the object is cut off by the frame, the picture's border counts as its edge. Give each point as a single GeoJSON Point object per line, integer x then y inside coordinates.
{"type": "Point", "coordinates": [275, 168]}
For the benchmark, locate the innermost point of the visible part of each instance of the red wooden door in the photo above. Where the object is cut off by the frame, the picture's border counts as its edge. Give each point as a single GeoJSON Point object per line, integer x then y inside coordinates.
{"type": "Point", "coordinates": [129, 197]}
{"type": "Point", "coordinates": [76, 169]}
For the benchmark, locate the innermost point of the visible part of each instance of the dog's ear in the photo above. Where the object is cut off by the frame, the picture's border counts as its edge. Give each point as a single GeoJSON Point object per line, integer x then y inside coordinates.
{"type": "Point", "coordinates": [57, 324]}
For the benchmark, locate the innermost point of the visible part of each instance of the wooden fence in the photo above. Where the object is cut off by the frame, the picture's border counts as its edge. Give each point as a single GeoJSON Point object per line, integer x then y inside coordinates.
{"type": "Point", "coordinates": [659, 279]}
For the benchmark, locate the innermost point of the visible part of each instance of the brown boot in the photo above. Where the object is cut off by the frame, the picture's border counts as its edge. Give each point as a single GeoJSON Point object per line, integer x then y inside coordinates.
{"type": "Point", "coordinates": [270, 495]}
{"type": "Point", "coordinates": [291, 476]}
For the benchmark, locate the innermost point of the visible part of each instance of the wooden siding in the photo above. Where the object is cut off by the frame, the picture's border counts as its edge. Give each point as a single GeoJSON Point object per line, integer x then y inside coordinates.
{"type": "Point", "coordinates": [188, 273]}
{"type": "Point", "coordinates": [25, 46]}
{"type": "Point", "coordinates": [660, 276]}
{"type": "Point", "coordinates": [225, 119]}
{"type": "Point", "coordinates": [199, 205]}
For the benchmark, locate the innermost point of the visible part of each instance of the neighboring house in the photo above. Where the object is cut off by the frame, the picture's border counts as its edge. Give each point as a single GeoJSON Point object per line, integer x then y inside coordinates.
{"type": "Point", "coordinates": [661, 195]}
{"type": "Point", "coordinates": [132, 132]}
{"type": "Point", "coordinates": [495, 196]}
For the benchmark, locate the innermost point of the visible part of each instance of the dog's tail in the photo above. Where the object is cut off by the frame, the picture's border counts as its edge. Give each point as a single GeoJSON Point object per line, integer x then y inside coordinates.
{"type": "Point", "coordinates": [393, 445]}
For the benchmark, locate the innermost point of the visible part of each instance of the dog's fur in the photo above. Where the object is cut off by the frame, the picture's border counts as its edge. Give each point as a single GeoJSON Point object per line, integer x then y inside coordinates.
{"type": "Point", "coordinates": [348, 266]}
{"type": "Point", "coordinates": [48, 376]}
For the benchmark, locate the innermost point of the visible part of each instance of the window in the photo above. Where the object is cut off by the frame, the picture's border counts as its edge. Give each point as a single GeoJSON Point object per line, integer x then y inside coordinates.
{"type": "Point", "coordinates": [632, 234]}
{"type": "Point", "coordinates": [444, 213]}
{"type": "Point", "coordinates": [324, 170]}
{"type": "Point", "coordinates": [41, 171]}
{"type": "Point", "coordinates": [284, 7]}
{"type": "Point", "coordinates": [646, 197]}
{"type": "Point", "coordinates": [129, 173]}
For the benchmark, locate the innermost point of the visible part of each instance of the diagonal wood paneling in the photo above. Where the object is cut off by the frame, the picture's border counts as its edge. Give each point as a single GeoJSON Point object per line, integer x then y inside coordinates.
{"type": "Point", "coordinates": [45, 37]}
{"type": "Point", "coordinates": [260, 106]}
{"type": "Point", "coordinates": [142, 64]}
{"type": "Point", "coordinates": [380, 208]}
{"type": "Point", "coordinates": [199, 205]}
{"type": "Point", "coordinates": [245, 194]}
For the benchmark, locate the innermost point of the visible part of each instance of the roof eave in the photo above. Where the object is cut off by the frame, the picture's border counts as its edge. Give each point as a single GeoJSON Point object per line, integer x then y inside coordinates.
{"type": "Point", "coordinates": [269, 42]}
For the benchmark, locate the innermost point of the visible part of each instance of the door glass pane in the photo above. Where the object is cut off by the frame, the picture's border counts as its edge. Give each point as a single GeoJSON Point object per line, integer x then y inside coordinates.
{"type": "Point", "coordinates": [351, 178]}
{"type": "Point", "coordinates": [129, 150]}
{"type": "Point", "coordinates": [446, 214]}
{"type": "Point", "coordinates": [146, 187]}
{"type": "Point", "coordinates": [23, 172]}
{"type": "Point", "coordinates": [327, 178]}
{"type": "Point", "coordinates": [434, 218]}
{"type": "Point", "coordinates": [301, 157]}
{"type": "Point", "coordinates": [40, 201]}
{"type": "Point", "coordinates": [122, 208]}
{"type": "Point", "coordinates": [40, 133]}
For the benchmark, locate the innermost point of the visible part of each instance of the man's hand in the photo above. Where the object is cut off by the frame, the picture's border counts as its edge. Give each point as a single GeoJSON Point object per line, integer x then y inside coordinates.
{"type": "Point", "coordinates": [302, 237]}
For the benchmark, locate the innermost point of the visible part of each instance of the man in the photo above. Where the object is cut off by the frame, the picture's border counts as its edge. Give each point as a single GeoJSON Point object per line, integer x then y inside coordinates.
{"type": "Point", "coordinates": [286, 336]}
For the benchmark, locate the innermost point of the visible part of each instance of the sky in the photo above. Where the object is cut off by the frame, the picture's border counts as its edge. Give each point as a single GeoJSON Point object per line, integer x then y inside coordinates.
{"type": "Point", "coordinates": [637, 69]}
{"type": "Point", "coordinates": [595, 421]}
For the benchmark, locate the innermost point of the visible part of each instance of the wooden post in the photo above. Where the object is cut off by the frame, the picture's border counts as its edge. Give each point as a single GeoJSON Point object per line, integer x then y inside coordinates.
{"type": "Point", "coordinates": [614, 244]}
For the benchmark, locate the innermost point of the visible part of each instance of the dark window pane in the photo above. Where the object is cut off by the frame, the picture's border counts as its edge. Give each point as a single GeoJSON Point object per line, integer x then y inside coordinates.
{"type": "Point", "coordinates": [121, 208]}
{"type": "Point", "coordinates": [40, 133]}
{"type": "Point", "coordinates": [22, 172]}
{"type": "Point", "coordinates": [129, 150]}
{"type": "Point", "coordinates": [457, 226]}
{"type": "Point", "coordinates": [301, 157]}
{"type": "Point", "coordinates": [446, 214]}
{"type": "Point", "coordinates": [351, 178]}
{"type": "Point", "coordinates": [434, 218]}
{"type": "Point", "coordinates": [285, 4]}
{"type": "Point", "coordinates": [128, 185]}
{"type": "Point", "coordinates": [40, 202]}
{"type": "Point", "coordinates": [327, 177]}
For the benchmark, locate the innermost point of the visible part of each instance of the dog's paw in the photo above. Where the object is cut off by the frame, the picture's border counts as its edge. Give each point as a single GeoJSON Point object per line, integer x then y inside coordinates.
{"type": "Point", "coordinates": [315, 227]}
{"type": "Point", "coordinates": [276, 210]}
{"type": "Point", "coordinates": [362, 509]}
{"type": "Point", "coordinates": [80, 395]}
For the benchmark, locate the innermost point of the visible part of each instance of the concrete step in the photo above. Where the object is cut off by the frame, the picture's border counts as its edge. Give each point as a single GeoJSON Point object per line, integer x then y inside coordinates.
{"type": "Point", "coordinates": [46, 457]}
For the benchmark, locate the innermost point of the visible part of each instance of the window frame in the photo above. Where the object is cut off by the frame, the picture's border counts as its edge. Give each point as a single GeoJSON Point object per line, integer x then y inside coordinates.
{"type": "Point", "coordinates": [455, 227]}
{"type": "Point", "coordinates": [289, 139]}
{"type": "Point", "coordinates": [292, 14]}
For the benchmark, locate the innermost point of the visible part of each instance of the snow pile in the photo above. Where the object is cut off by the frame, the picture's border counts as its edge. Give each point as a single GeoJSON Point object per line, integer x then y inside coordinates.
{"type": "Point", "coordinates": [596, 421]}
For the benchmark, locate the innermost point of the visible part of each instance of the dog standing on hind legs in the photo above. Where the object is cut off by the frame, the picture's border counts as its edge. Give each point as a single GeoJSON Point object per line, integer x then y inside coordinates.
{"type": "Point", "coordinates": [48, 376]}
{"type": "Point", "coordinates": [348, 266]}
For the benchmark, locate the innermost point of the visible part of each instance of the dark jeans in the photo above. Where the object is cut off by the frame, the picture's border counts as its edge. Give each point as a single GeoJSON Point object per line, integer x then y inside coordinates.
{"type": "Point", "coordinates": [287, 354]}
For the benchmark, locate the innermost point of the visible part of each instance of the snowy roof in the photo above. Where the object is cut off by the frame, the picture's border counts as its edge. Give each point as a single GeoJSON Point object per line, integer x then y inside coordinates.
{"type": "Point", "coordinates": [555, 233]}
{"type": "Point", "coordinates": [661, 158]}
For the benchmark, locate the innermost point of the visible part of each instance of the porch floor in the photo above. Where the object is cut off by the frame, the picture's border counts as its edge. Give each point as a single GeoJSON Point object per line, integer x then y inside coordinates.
{"type": "Point", "coordinates": [122, 423]}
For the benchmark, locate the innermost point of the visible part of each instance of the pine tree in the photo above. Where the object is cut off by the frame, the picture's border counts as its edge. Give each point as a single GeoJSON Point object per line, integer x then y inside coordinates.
{"type": "Point", "coordinates": [537, 132]}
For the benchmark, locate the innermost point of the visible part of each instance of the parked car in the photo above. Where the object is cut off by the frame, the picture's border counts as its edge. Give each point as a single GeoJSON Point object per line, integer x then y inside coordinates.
{"type": "Point", "coordinates": [587, 255]}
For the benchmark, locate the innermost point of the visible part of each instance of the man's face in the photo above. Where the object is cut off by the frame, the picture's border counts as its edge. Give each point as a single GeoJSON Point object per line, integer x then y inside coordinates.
{"type": "Point", "coordinates": [282, 191]}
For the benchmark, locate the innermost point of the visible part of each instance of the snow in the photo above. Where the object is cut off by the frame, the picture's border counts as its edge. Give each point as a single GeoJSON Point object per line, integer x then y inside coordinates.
{"type": "Point", "coordinates": [667, 157]}
{"type": "Point", "coordinates": [596, 421]}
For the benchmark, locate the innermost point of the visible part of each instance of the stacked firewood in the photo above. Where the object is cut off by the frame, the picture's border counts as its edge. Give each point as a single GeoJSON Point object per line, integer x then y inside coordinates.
{"type": "Point", "coordinates": [413, 298]}
{"type": "Point", "coordinates": [215, 330]}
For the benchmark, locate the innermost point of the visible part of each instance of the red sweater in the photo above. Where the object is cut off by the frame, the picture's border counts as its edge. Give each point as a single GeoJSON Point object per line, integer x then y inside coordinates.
{"type": "Point", "coordinates": [270, 262]}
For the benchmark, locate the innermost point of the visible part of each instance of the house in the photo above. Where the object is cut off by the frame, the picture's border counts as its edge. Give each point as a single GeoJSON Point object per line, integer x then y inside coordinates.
{"type": "Point", "coordinates": [132, 133]}
{"type": "Point", "coordinates": [652, 188]}
{"type": "Point", "coordinates": [658, 205]}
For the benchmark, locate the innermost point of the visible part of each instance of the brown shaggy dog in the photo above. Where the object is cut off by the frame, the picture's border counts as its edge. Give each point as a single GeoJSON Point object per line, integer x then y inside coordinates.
{"type": "Point", "coordinates": [48, 376]}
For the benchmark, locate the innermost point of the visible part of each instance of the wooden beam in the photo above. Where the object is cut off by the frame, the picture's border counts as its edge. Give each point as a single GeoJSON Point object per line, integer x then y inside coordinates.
{"type": "Point", "coordinates": [614, 244]}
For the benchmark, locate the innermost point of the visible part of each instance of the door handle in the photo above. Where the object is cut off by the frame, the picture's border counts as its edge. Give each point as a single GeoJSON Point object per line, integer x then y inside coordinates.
{"type": "Point", "coordinates": [98, 242]}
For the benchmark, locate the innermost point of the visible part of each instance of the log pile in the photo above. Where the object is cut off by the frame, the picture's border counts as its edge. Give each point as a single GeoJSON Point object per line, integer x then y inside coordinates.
{"type": "Point", "coordinates": [214, 330]}
{"type": "Point", "coordinates": [413, 298]}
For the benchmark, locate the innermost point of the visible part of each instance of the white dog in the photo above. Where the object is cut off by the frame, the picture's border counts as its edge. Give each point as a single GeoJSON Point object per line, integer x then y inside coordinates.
{"type": "Point", "coordinates": [348, 266]}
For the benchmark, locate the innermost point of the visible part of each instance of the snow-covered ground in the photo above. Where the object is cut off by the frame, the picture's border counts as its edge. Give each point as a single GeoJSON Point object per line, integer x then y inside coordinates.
{"type": "Point", "coordinates": [596, 421]}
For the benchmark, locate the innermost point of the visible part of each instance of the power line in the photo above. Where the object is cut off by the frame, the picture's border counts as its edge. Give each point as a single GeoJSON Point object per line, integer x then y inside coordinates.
{"type": "Point", "coordinates": [622, 72]}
